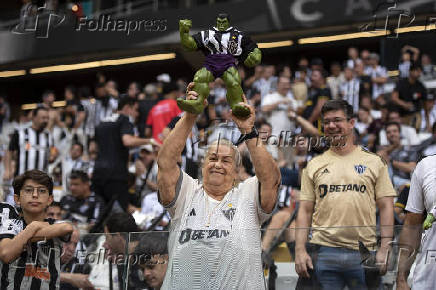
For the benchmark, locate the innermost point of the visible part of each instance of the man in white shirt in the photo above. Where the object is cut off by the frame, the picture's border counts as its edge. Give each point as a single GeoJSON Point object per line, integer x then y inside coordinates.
{"type": "Point", "coordinates": [277, 105]}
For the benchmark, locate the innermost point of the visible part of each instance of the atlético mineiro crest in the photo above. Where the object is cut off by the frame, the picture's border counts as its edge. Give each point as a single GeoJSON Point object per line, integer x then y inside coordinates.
{"type": "Point", "coordinates": [359, 168]}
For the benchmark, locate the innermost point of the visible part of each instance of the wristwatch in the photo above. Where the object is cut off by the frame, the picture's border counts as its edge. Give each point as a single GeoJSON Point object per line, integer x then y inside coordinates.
{"type": "Point", "coordinates": [244, 137]}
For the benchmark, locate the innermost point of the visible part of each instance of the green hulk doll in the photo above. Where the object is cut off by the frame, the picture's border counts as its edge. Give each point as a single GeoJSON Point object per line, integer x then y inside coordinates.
{"type": "Point", "coordinates": [429, 219]}
{"type": "Point", "coordinates": [222, 46]}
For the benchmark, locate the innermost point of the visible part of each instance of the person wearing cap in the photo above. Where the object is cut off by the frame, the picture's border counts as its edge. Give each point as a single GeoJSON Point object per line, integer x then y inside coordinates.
{"type": "Point", "coordinates": [163, 112]}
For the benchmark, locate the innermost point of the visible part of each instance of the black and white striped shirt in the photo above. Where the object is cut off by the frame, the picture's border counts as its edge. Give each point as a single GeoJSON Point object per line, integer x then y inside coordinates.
{"type": "Point", "coordinates": [87, 210]}
{"type": "Point", "coordinates": [38, 266]}
{"type": "Point", "coordinates": [33, 149]}
{"type": "Point", "coordinates": [231, 41]}
{"type": "Point", "coordinates": [349, 90]}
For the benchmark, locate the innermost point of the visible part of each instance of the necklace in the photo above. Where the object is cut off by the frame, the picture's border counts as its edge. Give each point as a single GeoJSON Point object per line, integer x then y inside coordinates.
{"type": "Point", "coordinates": [209, 214]}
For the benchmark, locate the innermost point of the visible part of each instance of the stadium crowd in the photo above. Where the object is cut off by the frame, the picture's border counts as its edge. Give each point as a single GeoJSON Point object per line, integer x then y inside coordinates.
{"type": "Point", "coordinates": [106, 184]}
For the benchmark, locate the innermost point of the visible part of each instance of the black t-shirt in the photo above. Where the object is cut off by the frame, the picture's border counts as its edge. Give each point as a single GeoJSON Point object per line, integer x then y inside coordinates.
{"type": "Point", "coordinates": [316, 94]}
{"type": "Point", "coordinates": [113, 156]}
{"type": "Point", "coordinates": [414, 93]}
{"type": "Point", "coordinates": [144, 107]}
{"type": "Point", "coordinates": [86, 210]}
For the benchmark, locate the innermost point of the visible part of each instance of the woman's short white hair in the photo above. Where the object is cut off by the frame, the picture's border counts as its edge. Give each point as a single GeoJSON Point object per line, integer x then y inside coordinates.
{"type": "Point", "coordinates": [226, 142]}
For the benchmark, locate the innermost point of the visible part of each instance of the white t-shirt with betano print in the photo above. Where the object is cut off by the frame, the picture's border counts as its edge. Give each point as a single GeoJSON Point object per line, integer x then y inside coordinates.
{"type": "Point", "coordinates": [215, 244]}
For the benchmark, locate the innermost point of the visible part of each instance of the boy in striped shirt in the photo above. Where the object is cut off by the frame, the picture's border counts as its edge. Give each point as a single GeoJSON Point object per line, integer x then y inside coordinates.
{"type": "Point", "coordinates": [30, 245]}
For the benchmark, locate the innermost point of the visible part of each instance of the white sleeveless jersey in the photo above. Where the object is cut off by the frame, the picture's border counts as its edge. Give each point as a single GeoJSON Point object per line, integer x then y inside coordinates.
{"type": "Point", "coordinates": [215, 244]}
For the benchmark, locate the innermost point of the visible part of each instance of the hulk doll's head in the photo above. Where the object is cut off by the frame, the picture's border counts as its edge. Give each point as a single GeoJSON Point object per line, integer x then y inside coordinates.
{"type": "Point", "coordinates": [222, 22]}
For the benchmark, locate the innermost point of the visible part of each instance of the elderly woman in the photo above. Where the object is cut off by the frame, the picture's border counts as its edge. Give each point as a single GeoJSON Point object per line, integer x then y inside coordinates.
{"type": "Point", "coordinates": [215, 238]}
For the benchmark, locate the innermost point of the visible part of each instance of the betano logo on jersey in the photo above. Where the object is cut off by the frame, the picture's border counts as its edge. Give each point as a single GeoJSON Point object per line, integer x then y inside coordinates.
{"type": "Point", "coordinates": [324, 188]}
{"type": "Point", "coordinates": [190, 234]}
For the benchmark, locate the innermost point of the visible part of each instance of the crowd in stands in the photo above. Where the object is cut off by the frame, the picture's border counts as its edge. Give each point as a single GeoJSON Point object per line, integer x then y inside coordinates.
{"type": "Point", "coordinates": [395, 118]}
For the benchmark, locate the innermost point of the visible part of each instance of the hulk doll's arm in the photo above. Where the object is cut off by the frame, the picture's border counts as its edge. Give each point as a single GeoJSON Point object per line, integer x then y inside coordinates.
{"type": "Point", "coordinates": [188, 42]}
